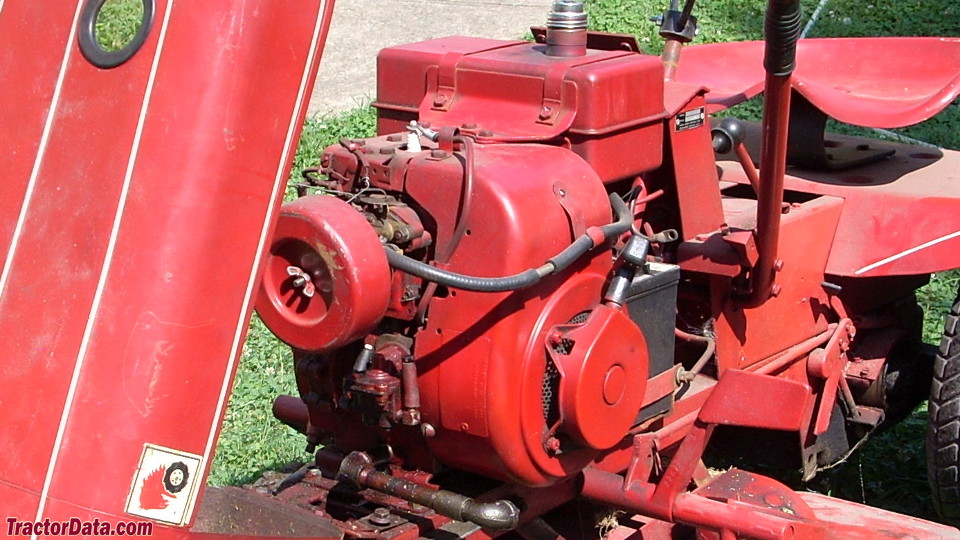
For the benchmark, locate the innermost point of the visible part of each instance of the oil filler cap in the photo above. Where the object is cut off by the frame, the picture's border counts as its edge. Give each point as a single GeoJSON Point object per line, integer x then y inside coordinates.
{"type": "Point", "coordinates": [326, 280]}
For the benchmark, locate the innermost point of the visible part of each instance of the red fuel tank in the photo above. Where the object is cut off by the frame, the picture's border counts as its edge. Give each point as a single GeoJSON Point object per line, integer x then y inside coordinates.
{"type": "Point", "coordinates": [514, 91]}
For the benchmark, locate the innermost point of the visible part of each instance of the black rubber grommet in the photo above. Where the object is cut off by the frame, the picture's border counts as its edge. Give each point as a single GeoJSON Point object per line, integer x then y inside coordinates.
{"type": "Point", "coordinates": [92, 50]}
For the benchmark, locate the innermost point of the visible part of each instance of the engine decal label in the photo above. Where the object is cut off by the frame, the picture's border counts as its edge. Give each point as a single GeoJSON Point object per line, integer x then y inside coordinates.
{"type": "Point", "coordinates": [165, 485]}
{"type": "Point", "coordinates": [690, 119]}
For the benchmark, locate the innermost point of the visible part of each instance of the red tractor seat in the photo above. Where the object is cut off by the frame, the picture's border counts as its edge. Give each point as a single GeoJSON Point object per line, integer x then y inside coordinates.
{"type": "Point", "coordinates": [872, 82]}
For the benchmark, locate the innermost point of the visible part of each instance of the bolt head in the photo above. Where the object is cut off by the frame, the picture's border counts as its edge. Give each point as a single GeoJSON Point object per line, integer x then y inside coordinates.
{"type": "Point", "coordinates": [553, 444]}
{"type": "Point", "coordinates": [381, 517]}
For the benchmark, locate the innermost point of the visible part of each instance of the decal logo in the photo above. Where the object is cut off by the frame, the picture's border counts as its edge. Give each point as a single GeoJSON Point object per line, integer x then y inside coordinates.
{"type": "Point", "coordinates": [165, 485]}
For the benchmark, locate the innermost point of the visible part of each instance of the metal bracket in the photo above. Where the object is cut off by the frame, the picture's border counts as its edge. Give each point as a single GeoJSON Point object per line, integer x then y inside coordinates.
{"type": "Point", "coordinates": [828, 363]}
{"type": "Point", "coordinates": [808, 148]}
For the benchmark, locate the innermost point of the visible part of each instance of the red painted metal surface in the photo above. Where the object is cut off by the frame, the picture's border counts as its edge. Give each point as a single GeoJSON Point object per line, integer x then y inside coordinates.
{"type": "Point", "coordinates": [918, 186]}
{"type": "Point", "coordinates": [874, 82]}
{"type": "Point", "coordinates": [690, 170]}
{"type": "Point", "coordinates": [545, 389]}
{"type": "Point", "coordinates": [602, 377]}
{"type": "Point", "coordinates": [773, 164]}
{"type": "Point", "coordinates": [135, 209]}
{"type": "Point", "coordinates": [486, 396]}
{"type": "Point", "coordinates": [475, 345]}
{"type": "Point", "coordinates": [576, 98]}
{"type": "Point", "coordinates": [346, 287]}
{"type": "Point", "coordinates": [740, 504]}
{"type": "Point", "coordinates": [741, 339]}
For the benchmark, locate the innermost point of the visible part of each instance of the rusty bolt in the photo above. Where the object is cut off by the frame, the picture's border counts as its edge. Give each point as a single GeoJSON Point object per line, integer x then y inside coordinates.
{"type": "Point", "coordinates": [546, 113]}
{"type": "Point", "coordinates": [775, 290]}
{"type": "Point", "coordinates": [396, 137]}
{"type": "Point", "coordinates": [381, 517]}
{"type": "Point", "coordinates": [439, 100]}
{"type": "Point", "coordinates": [469, 125]}
{"type": "Point", "coordinates": [464, 426]}
{"type": "Point", "coordinates": [387, 150]}
{"type": "Point", "coordinates": [552, 445]}
{"type": "Point", "coordinates": [417, 508]}
{"type": "Point", "coordinates": [485, 133]}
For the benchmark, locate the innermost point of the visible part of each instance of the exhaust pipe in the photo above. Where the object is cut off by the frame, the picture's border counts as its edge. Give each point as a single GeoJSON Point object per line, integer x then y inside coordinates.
{"type": "Point", "coordinates": [358, 467]}
{"type": "Point", "coordinates": [567, 29]}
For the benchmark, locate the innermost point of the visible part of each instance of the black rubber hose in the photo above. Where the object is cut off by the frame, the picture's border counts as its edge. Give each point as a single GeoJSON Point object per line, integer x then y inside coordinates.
{"type": "Point", "coordinates": [461, 281]}
{"type": "Point", "coordinates": [624, 218]}
{"type": "Point", "coordinates": [524, 279]}
{"type": "Point", "coordinates": [584, 243]}
{"type": "Point", "coordinates": [572, 252]}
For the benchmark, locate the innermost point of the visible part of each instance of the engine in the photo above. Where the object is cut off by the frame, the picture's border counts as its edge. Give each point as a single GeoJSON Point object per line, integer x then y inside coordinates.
{"type": "Point", "coordinates": [463, 290]}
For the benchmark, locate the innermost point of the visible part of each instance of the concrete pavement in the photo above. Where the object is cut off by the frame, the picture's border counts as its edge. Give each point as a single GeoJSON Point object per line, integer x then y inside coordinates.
{"type": "Point", "coordinates": [361, 28]}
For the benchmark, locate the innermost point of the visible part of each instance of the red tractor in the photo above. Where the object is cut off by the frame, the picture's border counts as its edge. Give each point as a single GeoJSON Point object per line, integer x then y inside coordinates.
{"type": "Point", "coordinates": [550, 281]}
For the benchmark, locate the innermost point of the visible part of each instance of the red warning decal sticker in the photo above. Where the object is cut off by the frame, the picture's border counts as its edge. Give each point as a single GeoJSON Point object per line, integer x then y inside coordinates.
{"type": "Point", "coordinates": [165, 485]}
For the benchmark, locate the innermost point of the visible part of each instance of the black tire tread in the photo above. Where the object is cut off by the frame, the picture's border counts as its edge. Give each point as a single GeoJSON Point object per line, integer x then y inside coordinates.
{"type": "Point", "coordinates": [943, 428]}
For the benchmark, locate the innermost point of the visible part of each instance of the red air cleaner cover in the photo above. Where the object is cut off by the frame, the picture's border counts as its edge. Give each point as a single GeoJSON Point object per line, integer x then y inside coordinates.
{"type": "Point", "coordinates": [327, 243]}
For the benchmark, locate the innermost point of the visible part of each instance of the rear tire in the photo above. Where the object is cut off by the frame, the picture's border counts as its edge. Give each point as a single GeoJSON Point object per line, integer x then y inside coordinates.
{"type": "Point", "coordinates": [943, 428]}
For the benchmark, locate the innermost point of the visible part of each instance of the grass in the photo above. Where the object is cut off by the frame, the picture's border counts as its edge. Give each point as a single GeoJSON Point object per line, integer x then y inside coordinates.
{"type": "Point", "coordinates": [253, 440]}
{"type": "Point", "coordinates": [888, 472]}
{"type": "Point", "coordinates": [117, 23]}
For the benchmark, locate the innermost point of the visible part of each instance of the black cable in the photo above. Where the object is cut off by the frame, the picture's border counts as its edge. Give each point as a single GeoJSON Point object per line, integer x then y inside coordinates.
{"type": "Point", "coordinates": [524, 279]}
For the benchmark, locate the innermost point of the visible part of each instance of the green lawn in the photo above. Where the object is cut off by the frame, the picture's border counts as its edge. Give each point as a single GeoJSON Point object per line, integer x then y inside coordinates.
{"type": "Point", "coordinates": [890, 471]}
